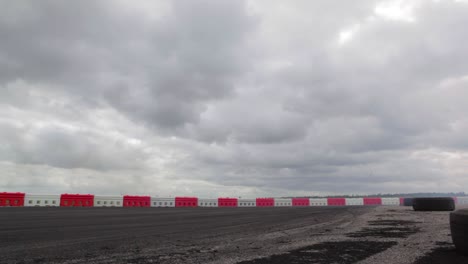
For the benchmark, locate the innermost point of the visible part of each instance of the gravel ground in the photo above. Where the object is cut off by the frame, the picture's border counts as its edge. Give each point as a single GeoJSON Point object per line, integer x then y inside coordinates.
{"type": "Point", "coordinates": [431, 244]}
{"type": "Point", "coordinates": [386, 235]}
{"type": "Point", "coordinates": [364, 235]}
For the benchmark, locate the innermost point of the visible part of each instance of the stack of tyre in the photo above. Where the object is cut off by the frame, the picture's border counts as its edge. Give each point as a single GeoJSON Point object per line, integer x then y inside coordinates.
{"type": "Point", "coordinates": [434, 204]}
{"type": "Point", "coordinates": [459, 229]}
{"type": "Point", "coordinates": [458, 219]}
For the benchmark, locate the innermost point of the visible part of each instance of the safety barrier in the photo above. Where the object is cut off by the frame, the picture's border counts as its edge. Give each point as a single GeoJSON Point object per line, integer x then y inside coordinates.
{"type": "Point", "coordinates": [41, 200]}
{"type": "Point", "coordinates": [162, 202]}
{"type": "Point", "coordinates": [265, 202]}
{"type": "Point", "coordinates": [227, 202]}
{"type": "Point", "coordinates": [246, 203]}
{"type": "Point", "coordinates": [76, 200]}
{"type": "Point", "coordinates": [8, 199]}
{"type": "Point", "coordinates": [336, 201]}
{"type": "Point", "coordinates": [318, 201]}
{"type": "Point", "coordinates": [462, 200]}
{"type": "Point", "coordinates": [186, 201]}
{"type": "Point", "coordinates": [372, 201]}
{"type": "Point", "coordinates": [208, 202]}
{"type": "Point", "coordinates": [279, 202]}
{"type": "Point", "coordinates": [12, 199]}
{"type": "Point", "coordinates": [354, 201]}
{"type": "Point", "coordinates": [108, 201]}
{"type": "Point", "coordinates": [390, 201]}
{"type": "Point", "coordinates": [136, 201]}
{"type": "Point", "coordinates": [300, 202]}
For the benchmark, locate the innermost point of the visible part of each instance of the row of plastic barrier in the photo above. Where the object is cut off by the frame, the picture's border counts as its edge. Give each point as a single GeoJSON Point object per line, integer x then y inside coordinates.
{"type": "Point", "coordinates": [89, 200]}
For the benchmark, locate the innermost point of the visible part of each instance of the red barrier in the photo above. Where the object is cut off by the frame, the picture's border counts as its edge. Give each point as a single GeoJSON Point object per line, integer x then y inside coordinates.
{"type": "Point", "coordinates": [76, 200]}
{"type": "Point", "coordinates": [265, 202]}
{"type": "Point", "coordinates": [402, 201]}
{"type": "Point", "coordinates": [136, 201]}
{"type": "Point", "coordinates": [11, 199]}
{"type": "Point", "coordinates": [336, 201]}
{"type": "Point", "coordinates": [300, 201]}
{"type": "Point", "coordinates": [372, 201]}
{"type": "Point", "coordinates": [227, 202]}
{"type": "Point", "coordinates": [186, 201]}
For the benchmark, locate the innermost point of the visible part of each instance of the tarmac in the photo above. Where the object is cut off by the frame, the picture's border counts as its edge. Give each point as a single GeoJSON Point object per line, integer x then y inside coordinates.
{"type": "Point", "coordinates": [360, 234]}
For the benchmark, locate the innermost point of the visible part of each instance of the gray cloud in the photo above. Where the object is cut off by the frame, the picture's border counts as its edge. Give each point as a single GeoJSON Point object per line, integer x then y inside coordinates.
{"type": "Point", "coordinates": [62, 148]}
{"type": "Point", "coordinates": [248, 97]}
{"type": "Point", "coordinates": [197, 55]}
{"type": "Point", "coordinates": [161, 73]}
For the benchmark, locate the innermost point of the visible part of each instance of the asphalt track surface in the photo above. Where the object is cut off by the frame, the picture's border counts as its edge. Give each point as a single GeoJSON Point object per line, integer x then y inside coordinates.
{"type": "Point", "coordinates": [158, 235]}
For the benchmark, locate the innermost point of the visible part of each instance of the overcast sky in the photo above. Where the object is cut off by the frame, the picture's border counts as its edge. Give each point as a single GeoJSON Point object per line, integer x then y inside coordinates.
{"type": "Point", "coordinates": [233, 98]}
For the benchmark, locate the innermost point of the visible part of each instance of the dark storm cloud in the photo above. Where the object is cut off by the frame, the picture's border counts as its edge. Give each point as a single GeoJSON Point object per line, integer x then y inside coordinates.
{"type": "Point", "coordinates": [247, 95]}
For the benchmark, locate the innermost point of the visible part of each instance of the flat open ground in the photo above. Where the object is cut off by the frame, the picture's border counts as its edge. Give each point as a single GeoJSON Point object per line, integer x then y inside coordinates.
{"type": "Point", "coordinates": [225, 235]}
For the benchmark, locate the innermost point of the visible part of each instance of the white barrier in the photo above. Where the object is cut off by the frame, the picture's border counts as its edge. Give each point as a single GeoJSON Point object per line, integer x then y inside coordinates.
{"type": "Point", "coordinates": [41, 200]}
{"type": "Point", "coordinates": [162, 202]}
{"type": "Point", "coordinates": [283, 202]}
{"type": "Point", "coordinates": [208, 202]}
{"type": "Point", "coordinates": [354, 201]}
{"type": "Point", "coordinates": [318, 201]}
{"type": "Point", "coordinates": [462, 200]}
{"type": "Point", "coordinates": [108, 201]}
{"type": "Point", "coordinates": [246, 203]}
{"type": "Point", "coordinates": [390, 201]}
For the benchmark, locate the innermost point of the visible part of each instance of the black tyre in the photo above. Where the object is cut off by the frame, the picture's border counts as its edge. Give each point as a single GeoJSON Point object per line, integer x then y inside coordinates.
{"type": "Point", "coordinates": [459, 229]}
{"type": "Point", "coordinates": [407, 201]}
{"type": "Point", "coordinates": [434, 204]}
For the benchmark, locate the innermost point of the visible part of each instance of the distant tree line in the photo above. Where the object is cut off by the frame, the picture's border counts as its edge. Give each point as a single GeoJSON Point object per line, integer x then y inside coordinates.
{"type": "Point", "coordinates": [432, 194]}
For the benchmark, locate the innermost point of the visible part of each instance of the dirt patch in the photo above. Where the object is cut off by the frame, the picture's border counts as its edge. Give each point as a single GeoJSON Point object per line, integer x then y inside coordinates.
{"type": "Point", "coordinates": [343, 252]}
{"type": "Point", "coordinates": [387, 229]}
{"type": "Point", "coordinates": [140, 260]}
{"type": "Point", "coordinates": [385, 232]}
{"type": "Point", "coordinates": [442, 255]}
{"type": "Point", "coordinates": [392, 223]}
